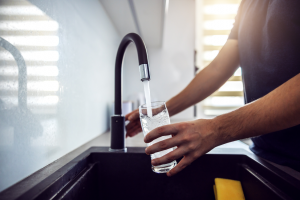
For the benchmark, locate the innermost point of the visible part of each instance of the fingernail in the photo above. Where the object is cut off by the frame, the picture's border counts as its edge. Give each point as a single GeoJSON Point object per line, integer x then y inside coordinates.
{"type": "Point", "coordinates": [153, 162]}
{"type": "Point", "coordinates": [169, 174]}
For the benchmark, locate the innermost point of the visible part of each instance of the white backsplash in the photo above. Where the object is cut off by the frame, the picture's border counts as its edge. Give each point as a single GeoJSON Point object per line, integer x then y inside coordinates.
{"type": "Point", "coordinates": [69, 48]}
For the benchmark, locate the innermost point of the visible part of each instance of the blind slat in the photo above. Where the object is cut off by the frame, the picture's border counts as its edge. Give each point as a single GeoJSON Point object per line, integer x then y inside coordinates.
{"type": "Point", "coordinates": [212, 17]}
{"type": "Point", "coordinates": [211, 48]}
{"type": "Point", "coordinates": [212, 2]}
{"type": "Point", "coordinates": [216, 32]}
{"type": "Point", "coordinates": [235, 78]}
{"type": "Point", "coordinates": [228, 93]}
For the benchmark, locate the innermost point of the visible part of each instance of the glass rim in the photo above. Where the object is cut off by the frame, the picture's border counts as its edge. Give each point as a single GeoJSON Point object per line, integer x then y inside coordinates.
{"type": "Point", "coordinates": [157, 104]}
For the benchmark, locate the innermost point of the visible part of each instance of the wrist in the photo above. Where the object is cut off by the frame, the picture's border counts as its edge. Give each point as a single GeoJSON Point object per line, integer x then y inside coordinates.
{"type": "Point", "coordinates": [220, 127]}
{"type": "Point", "coordinates": [209, 131]}
{"type": "Point", "coordinates": [170, 108]}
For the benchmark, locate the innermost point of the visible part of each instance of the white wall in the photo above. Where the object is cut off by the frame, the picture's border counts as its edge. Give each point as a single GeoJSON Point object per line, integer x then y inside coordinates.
{"type": "Point", "coordinates": [87, 47]}
{"type": "Point", "coordinates": [172, 66]}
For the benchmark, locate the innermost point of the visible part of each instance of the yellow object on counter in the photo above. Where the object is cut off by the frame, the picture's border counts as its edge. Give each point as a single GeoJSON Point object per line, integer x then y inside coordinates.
{"type": "Point", "coordinates": [226, 189]}
{"type": "Point", "coordinates": [215, 192]}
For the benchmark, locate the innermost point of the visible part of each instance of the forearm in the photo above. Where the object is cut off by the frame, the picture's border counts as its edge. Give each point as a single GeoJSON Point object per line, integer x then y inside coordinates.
{"type": "Point", "coordinates": [203, 85]}
{"type": "Point", "coordinates": [280, 109]}
{"type": "Point", "coordinates": [208, 80]}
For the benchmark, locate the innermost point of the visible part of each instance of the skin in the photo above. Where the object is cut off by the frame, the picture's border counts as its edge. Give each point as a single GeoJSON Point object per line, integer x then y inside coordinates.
{"type": "Point", "coordinates": [280, 109]}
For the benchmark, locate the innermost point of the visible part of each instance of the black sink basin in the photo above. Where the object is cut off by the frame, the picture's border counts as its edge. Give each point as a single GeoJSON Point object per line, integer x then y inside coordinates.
{"type": "Point", "coordinates": [99, 174]}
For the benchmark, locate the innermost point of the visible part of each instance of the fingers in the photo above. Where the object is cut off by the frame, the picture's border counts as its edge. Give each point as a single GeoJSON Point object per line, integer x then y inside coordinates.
{"type": "Point", "coordinates": [177, 153]}
{"type": "Point", "coordinates": [132, 124]}
{"type": "Point", "coordinates": [160, 131]}
{"type": "Point", "coordinates": [162, 145]}
{"type": "Point", "coordinates": [133, 131]}
{"type": "Point", "coordinates": [185, 161]}
{"type": "Point", "coordinates": [134, 127]}
{"type": "Point", "coordinates": [126, 116]}
{"type": "Point", "coordinates": [132, 116]}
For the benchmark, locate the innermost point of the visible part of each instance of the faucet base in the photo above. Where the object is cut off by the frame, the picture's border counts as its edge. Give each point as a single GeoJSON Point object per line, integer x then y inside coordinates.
{"type": "Point", "coordinates": [117, 128]}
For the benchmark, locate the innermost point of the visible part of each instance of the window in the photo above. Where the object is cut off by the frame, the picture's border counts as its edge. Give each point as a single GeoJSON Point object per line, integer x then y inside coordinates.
{"type": "Point", "coordinates": [214, 20]}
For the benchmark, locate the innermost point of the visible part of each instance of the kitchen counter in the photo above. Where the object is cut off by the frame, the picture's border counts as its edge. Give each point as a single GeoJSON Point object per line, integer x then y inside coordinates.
{"type": "Point", "coordinates": [104, 140]}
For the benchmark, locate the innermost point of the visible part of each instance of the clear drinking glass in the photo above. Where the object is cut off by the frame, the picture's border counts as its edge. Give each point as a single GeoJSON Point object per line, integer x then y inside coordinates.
{"type": "Point", "coordinates": [160, 118]}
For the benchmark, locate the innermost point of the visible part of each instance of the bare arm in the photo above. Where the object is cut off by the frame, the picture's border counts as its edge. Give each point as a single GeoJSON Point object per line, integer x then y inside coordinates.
{"type": "Point", "coordinates": [280, 109]}
{"type": "Point", "coordinates": [205, 83]}
{"type": "Point", "coordinates": [208, 80]}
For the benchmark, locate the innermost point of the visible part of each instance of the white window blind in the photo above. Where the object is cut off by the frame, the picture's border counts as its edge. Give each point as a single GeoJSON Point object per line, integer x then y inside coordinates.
{"type": "Point", "coordinates": [214, 21]}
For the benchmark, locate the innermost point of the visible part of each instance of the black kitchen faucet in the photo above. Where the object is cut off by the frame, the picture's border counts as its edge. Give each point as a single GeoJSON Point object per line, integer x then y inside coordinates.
{"type": "Point", "coordinates": [118, 120]}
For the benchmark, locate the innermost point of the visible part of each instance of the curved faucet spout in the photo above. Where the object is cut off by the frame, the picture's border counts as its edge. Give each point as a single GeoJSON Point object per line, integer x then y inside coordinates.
{"type": "Point", "coordinates": [143, 66]}
{"type": "Point", "coordinates": [118, 121]}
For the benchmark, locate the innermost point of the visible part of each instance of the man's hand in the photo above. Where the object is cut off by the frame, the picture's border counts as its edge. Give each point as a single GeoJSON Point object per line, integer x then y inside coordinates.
{"type": "Point", "coordinates": [193, 139]}
{"type": "Point", "coordinates": [134, 127]}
